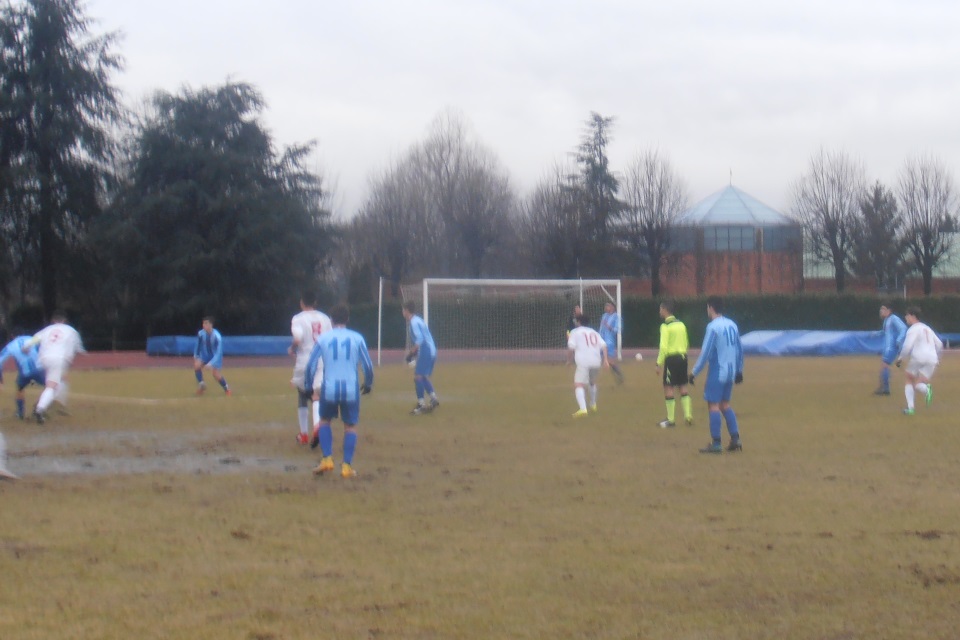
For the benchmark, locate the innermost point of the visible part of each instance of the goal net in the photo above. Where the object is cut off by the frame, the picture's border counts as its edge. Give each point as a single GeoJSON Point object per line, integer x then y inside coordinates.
{"type": "Point", "coordinates": [509, 319]}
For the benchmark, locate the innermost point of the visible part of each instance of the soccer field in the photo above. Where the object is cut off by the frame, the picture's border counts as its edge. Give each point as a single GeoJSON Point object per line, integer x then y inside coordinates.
{"type": "Point", "coordinates": [151, 513]}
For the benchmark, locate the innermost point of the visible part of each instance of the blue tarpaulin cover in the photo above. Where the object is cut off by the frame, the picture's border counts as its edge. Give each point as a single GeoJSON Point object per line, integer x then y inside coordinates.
{"type": "Point", "coordinates": [232, 345]}
{"type": "Point", "coordinates": [820, 343]}
{"type": "Point", "coordinates": [812, 343]}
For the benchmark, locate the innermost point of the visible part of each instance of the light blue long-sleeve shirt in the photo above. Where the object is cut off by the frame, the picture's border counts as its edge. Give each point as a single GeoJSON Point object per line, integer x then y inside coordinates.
{"type": "Point", "coordinates": [342, 351]}
{"type": "Point", "coordinates": [721, 349]}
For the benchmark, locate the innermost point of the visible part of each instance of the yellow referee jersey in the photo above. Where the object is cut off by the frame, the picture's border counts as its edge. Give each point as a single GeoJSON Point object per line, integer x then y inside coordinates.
{"type": "Point", "coordinates": [673, 339]}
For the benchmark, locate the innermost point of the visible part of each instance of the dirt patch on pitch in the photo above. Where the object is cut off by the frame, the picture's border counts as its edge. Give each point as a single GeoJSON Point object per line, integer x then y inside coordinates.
{"type": "Point", "coordinates": [47, 452]}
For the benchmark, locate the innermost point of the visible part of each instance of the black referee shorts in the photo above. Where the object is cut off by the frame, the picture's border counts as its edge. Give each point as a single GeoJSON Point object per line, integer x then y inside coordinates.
{"type": "Point", "coordinates": [675, 371]}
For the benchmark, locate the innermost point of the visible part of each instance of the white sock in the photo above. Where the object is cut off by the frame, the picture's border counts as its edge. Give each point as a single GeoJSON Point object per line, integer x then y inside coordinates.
{"type": "Point", "coordinates": [908, 391]}
{"type": "Point", "coordinates": [921, 388]}
{"type": "Point", "coordinates": [45, 399]}
{"type": "Point", "coordinates": [3, 452]}
{"type": "Point", "coordinates": [593, 394]}
{"type": "Point", "coordinates": [302, 414]}
{"type": "Point", "coordinates": [316, 412]}
{"type": "Point", "coordinates": [62, 390]}
{"type": "Point", "coordinates": [581, 398]}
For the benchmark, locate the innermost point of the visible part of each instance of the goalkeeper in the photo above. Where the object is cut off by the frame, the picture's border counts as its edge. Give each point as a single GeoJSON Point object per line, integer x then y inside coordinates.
{"type": "Point", "coordinates": [611, 324]}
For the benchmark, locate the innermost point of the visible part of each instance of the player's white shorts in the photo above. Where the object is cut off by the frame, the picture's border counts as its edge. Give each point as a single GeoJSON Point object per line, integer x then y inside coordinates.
{"type": "Point", "coordinates": [919, 369]}
{"type": "Point", "coordinates": [586, 375]}
{"type": "Point", "coordinates": [54, 370]}
{"type": "Point", "coordinates": [299, 369]}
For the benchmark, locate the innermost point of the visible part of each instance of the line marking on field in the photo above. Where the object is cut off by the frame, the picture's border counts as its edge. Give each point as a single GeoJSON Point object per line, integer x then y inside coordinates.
{"type": "Point", "coordinates": [145, 402]}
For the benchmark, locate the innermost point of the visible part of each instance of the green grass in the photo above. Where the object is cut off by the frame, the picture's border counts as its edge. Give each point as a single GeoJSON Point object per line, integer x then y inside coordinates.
{"type": "Point", "coordinates": [496, 517]}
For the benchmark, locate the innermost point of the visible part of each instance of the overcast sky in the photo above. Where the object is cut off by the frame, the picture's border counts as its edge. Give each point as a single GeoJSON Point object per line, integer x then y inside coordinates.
{"type": "Point", "coordinates": [755, 87]}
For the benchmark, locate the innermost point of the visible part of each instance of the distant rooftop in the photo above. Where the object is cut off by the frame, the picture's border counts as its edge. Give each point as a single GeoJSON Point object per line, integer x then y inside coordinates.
{"type": "Point", "coordinates": [731, 206]}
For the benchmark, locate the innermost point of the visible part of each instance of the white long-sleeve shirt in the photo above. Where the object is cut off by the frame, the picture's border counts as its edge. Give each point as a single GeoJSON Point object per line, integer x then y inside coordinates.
{"type": "Point", "coordinates": [59, 343]}
{"type": "Point", "coordinates": [922, 344]}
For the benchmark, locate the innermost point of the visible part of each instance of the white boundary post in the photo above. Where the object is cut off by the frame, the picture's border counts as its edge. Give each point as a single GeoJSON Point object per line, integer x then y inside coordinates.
{"type": "Point", "coordinates": [620, 326]}
{"type": "Point", "coordinates": [426, 299]}
{"type": "Point", "coordinates": [380, 323]}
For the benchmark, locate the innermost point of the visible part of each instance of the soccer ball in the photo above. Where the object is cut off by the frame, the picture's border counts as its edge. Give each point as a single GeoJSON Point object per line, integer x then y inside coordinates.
{"type": "Point", "coordinates": [639, 356]}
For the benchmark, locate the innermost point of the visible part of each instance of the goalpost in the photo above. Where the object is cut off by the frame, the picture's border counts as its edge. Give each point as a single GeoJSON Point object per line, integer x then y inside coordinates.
{"type": "Point", "coordinates": [509, 319]}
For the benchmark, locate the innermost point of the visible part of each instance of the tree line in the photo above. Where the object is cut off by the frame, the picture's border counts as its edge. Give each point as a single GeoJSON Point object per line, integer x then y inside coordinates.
{"type": "Point", "coordinates": [142, 220]}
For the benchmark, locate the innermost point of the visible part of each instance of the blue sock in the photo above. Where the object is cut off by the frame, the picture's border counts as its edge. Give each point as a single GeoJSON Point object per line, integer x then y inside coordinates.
{"type": "Point", "coordinates": [199, 374]}
{"type": "Point", "coordinates": [223, 383]}
{"type": "Point", "coordinates": [20, 407]}
{"type": "Point", "coordinates": [715, 425]}
{"type": "Point", "coordinates": [885, 379]}
{"type": "Point", "coordinates": [428, 386]}
{"type": "Point", "coordinates": [326, 439]}
{"type": "Point", "coordinates": [418, 383]}
{"type": "Point", "coordinates": [349, 445]}
{"type": "Point", "coordinates": [731, 419]}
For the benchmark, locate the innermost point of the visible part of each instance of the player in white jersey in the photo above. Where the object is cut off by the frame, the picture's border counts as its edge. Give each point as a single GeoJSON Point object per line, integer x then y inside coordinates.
{"type": "Point", "coordinates": [59, 343]}
{"type": "Point", "coordinates": [589, 354]}
{"type": "Point", "coordinates": [923, 346]}
{"type": "Point", "coordinates": [305, 328]}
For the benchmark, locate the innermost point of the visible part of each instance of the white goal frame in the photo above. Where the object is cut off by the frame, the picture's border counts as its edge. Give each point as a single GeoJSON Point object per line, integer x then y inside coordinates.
{"type": "Point", "coordinates": [612, 288]}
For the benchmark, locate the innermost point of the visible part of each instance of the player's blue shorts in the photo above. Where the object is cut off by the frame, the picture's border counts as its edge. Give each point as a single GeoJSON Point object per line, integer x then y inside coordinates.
{"type": "Point", "coordinates": [24, 380]}
{"type": "Point", "coordinates": [213, 363]}
{"type": "Point", "coordinates": [425, 362]}
{"type": "Point", "coordinates": [349, 412]}
{"type": "Point", "coordinates": [889, 357]}
{"type": "Point", "coordinates": [715, 391]}
{"type": "Point", "coordinates": [612, 349]}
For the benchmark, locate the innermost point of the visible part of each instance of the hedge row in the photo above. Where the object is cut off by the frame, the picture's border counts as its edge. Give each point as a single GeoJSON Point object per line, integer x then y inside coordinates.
{"type": "Point", "coordinates": [547, 319]}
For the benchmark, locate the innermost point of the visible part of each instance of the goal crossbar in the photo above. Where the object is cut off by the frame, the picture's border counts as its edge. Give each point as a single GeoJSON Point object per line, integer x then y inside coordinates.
{"type": "Point", "coordinates": [552, 300]}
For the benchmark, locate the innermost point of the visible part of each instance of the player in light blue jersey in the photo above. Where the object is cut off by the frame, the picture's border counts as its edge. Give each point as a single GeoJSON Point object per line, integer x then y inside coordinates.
{"type": "Point", "coordinates": [894, 331]}
{"type": "Point", "coordinates": [724, 353]}
{"type": "Point", "coordinates": [611, 325]}
{"type": "Point", "coordinates": [424, 350]}
{"type": "Point", "coordinates": [339, 351]}
{"type": "Point", "coordinates": [28, 367]}
{"type": "Point", "coordinates": [209, 353]}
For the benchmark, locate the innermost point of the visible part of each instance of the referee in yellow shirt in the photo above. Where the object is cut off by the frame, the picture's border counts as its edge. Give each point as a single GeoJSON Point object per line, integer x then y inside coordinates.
{"type": "Point", "coordinates": [672, 361]}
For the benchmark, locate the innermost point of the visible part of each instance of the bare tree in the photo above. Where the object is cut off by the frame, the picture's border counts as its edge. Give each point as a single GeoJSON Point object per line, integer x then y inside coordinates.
{"type": "Point", "coordinates": [654, 196]}
{"type": "Point", "coordinates": [929, 203]}
{"type": "Point", "coordinates": [469, 201]}
{"type": "Point", "coordinates": [826, 203]}
{"type": "Point", "coordinates": [483, 212]}
{"type": "Point", "coordinates": [389, 227]}
{"type": "Point", "coordinates": [552, 226]}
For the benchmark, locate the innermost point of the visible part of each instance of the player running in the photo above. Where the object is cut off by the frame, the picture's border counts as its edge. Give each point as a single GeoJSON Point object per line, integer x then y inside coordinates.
{"type": "Point", "coordinates": [59, 343]}
{"type": "Point", "coordinates": [338, 352]}
{"type": "Point", "coordinates": [894, 331]}
{"type": "Point", "coordinates": [924, 347]}
{"type": "Point", "coordinates": [28, 368]}
{"type": "Point", "coordinates": [589, 354]}
{"type": "Point", "coordinates": [305, 328]}
{"type": "Point", "coordinates": [209, 353]}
